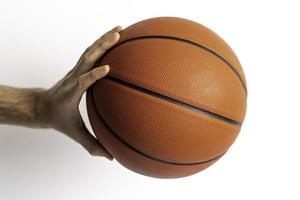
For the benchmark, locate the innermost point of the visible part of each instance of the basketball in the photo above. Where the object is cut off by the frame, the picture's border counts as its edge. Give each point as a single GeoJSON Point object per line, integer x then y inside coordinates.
{"type": "Point", "coordinates": [174, 100]}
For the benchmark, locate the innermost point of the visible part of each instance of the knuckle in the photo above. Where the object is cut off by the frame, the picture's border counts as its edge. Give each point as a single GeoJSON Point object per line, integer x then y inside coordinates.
{"type": "Point", "coordinates": [105, 45]}
{"type": "Point", "coordinates": [88, 49]}
{"type": "Point", "coordinates": [93, 75]}
{"type": "Point", "coordinates": [87, 58]}
{"type": "Point", "coordinates": [91, 57]}
{"type": "Point", "coordinates": [81, 83]}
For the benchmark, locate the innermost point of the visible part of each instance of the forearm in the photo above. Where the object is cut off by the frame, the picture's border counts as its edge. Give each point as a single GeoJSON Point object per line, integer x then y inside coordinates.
{"type": "Point", "coordinates": [58, 106]}
{"type": "Point", "coordinates": [18, 106]}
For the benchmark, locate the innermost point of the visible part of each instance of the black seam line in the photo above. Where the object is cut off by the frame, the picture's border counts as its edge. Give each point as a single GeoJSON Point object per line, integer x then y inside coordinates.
{"type": "Point", "coordinates": [143, 153]}
{"type": "Point", "coordinates": [187, 41]}
{"type": "Point", "coordinates": [174, 101]}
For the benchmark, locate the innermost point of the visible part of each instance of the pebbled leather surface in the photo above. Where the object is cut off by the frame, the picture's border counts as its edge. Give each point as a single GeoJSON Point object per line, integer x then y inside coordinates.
{"type": "Point", "coordinates": [186, 29]}
{"type": "Point", "coordinates": [181, 71]}
{"type": "Point", "coordinates": [159, 128]}
{"type": "Point", "coordinates": [154, 126]}
{"type": "Point", "coordinates": [133, 160]}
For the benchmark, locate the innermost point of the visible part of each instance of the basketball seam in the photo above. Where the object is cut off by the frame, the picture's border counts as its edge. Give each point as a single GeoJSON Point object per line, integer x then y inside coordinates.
{"type": "Point", "coordinates": [174, 101]}
{"type": "Point", "coordinates": [186, 41]}
{"type": "Point", "coordinates": [142, 152]}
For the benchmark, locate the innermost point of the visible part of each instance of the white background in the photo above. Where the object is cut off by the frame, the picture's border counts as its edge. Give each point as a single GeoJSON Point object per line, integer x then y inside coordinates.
{"type": "Point", "coordinates": [41, 40]}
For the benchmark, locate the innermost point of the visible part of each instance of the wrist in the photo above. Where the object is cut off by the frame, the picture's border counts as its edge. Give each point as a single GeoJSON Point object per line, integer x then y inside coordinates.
{"type": "Point", "coordinates": [41, 110]}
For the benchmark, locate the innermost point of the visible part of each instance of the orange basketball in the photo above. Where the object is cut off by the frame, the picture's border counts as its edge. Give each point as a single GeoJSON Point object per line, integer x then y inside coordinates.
{"type": "Point", "coordinates": [174, 100]}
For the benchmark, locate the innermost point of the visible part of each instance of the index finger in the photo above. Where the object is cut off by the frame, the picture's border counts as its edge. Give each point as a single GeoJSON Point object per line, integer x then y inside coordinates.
{"type": "Point", "coordinates": [103, 37]}
{"type": "Point", "coordinates": [94, 52]}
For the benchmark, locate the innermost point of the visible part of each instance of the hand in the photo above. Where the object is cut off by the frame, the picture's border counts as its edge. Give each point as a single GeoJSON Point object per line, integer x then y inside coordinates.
{"type": "Point", "coordinates": [58, 106]}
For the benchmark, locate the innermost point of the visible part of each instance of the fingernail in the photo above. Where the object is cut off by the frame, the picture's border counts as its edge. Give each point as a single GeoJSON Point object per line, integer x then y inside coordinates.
{"type": "Point", "coordinates": [112, 36]}
{"type": "Point", "coordinates": [109, 157]}
{"type": "Point", "coordinates": [106, 68]}
{"type": "Point", "coordinates": [118, 28]}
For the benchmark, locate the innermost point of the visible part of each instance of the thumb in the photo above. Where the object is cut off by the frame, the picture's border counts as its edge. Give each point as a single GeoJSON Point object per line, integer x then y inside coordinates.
{"type": "Point", "coordinates": [91, 144]}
